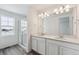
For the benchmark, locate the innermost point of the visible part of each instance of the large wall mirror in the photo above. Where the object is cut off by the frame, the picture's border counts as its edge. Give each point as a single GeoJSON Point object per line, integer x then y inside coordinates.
{"type": "Point", "coordinates": [61, 24]}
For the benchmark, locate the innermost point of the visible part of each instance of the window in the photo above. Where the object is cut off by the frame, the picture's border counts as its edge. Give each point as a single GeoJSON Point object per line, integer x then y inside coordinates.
{"type": "Point", "coordinates": [7, 25]}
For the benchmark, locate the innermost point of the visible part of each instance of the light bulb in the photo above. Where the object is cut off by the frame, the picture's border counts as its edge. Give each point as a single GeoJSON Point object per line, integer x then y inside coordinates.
{"type": "Point", "coordinates": [57, 12]}
{"type": "Point", "coordinates": [67, 6]}
{"type": "Point", "coordinates": [39, 15]}
{"type": "Point", "coordinates": [61, 8]}
{"type": "Point", "coordinates": [42, 15]}
{"type": "Point", "coordinates": [67, 10]}
{"type": "Point", "coordinates": [61, 11]}
{"type": "Point", "coordinates": [46, 14]}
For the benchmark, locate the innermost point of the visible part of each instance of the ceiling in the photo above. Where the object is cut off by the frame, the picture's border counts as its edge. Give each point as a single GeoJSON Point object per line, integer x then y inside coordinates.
{"type": "Point", "coordinates": [24, 8]}
{"type": "Point", "coordinates": [16, 8]}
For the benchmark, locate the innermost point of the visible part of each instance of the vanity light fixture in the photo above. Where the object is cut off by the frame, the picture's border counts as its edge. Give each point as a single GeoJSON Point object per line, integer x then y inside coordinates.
{"type": "Point", "coordinates": [62, 9]}
{"type": "Point", "coordinates": [44, 14]}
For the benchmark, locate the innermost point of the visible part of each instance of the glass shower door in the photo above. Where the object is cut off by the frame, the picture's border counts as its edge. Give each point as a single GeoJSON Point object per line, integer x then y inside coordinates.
{"type": "Point", "coordinates": [23, 32]}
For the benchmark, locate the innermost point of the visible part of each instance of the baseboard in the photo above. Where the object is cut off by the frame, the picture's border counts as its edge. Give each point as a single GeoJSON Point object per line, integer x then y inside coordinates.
{"type": "Point", "coordinates": [24, 48]}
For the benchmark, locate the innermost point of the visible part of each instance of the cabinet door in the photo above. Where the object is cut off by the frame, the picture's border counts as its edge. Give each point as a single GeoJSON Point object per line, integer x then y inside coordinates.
{"type": "Point", "coordinates": [41, 46]}
{"type": "Point", "coordinates": [51, 48]}
{"type": "Point", "coordinates": [74, 14]}
{"type": "Point", "coordinates": [34, 43]}
{"type": "Point", "coordinates": [77, 28]}
{"type": "Point", "coordinates": [77, 11]}
{"type": "Point", "coordinates": [77, 20]}
{"type": "Point", "coordinates": [69, 51]}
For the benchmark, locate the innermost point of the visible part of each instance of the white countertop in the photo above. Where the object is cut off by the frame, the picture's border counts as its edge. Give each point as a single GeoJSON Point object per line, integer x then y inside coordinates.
{"type": "Point", "coordinates": [65, 39]}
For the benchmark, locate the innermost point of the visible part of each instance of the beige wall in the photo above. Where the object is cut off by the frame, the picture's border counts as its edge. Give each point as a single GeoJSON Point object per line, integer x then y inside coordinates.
{"type": "Point", "coordinates": [34, 22]}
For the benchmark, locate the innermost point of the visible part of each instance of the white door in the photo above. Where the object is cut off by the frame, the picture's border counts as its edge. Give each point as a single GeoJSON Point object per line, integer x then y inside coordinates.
{"type": "Point", "coordinates": [68, 51]}
{"type": "Point", "coordinates": [41, 46]}
{"type": "Point", "coordinates": [34, 44]}
{"type": "Point", "coordinates": [51, 48]}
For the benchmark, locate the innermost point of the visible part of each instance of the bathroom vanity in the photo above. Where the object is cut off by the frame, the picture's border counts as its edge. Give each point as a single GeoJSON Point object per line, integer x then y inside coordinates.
{"type": "Point", "coordinates": [52, 45]}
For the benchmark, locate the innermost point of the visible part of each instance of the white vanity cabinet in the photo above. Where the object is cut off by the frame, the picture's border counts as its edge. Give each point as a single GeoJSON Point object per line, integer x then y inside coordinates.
{"type": "Point", "coordinates": [51, 48]}
{"type": "Point", "coordinates": [38, 45]}
{"type": "Point", "coordinates": [48, 46]}
{"type": "Point", "coordinates": [67, 48]}
{"type": "Point", "coordinates": [34, 43]}
{"type": "Point", "coordinates": [61, 48]}
{"type": "Point", "coordinates": [68, 51]}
